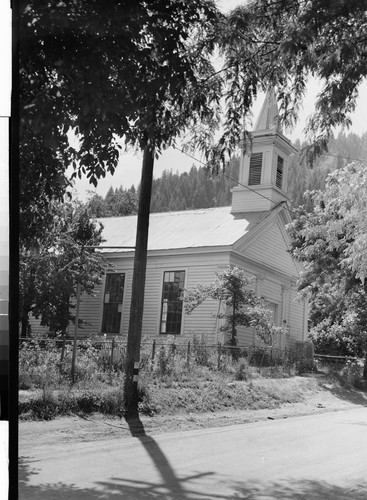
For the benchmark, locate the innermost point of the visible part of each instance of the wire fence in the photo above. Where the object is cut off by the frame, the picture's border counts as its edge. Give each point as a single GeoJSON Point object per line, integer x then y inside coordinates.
{"type": "Point", "coordinates": [112, 351]}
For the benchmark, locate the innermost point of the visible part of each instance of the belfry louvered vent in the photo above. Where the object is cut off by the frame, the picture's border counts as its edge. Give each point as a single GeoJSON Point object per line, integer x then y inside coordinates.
{"type": "Point", "coordinates": [256, 161]}
{"type": "Point", "coordinates": [280, 167]}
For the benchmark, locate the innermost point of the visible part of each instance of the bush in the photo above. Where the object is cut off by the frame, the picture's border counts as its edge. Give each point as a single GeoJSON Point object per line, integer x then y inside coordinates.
{"type": "Point", "coordinates": [350, 375]}
{"type": "Point", "coordinates": [200, 350]}
{"type": "Point", "coordinates": [335, 340]}
{"type": "Point", "coordinates": [242, 370]}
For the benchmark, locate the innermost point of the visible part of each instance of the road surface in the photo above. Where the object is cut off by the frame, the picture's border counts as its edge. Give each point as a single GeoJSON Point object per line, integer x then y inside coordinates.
{"type": "Point", "coordinates": [314, 457]}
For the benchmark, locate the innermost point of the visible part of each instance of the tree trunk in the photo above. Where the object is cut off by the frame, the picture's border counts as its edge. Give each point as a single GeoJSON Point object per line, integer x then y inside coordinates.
{"type": "Point", "coordinates": [365, 367]}
{"type": "Point", "coordinates": [138, 285]}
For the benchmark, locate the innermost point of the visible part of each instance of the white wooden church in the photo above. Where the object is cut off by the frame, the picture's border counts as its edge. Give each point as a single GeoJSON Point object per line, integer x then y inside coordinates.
{"type": "Point", "coordinates": [188, 247]}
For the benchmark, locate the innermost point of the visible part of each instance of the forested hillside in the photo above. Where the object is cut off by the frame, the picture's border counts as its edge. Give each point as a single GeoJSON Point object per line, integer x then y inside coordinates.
{"type": "Point", "coordinates": [198, 189]}
{"type": "Point", "coordinates": [342, 150]}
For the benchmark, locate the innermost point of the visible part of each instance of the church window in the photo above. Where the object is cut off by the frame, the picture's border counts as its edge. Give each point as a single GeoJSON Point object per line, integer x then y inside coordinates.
{"type": "Point", "coordinates": [171, 312]}
{"type": "Point", "coordinates": [280, 168]}
{"type": "Point", "coordinates": [256, 161]}
{"type": "Point", "coordinates": [112, 302]}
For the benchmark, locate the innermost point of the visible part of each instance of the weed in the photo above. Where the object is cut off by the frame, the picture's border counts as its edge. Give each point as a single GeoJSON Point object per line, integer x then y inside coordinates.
{"type": "Point", "coordinates": [200, 350]}
{"type": "Point", "coordinates": [350, 375]}
{"type": "Point", "coordinates": [242, 370]}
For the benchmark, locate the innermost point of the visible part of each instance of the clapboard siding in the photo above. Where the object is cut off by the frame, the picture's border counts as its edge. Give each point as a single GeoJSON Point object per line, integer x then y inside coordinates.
{"type": "Point", "coordinates": [297, 319]}
{"type": "Point", "coordinates": [89, 312]}
{"type": "Point", "coordinates": [36, 328]}
{"type": "Point", "coordinates": [264, 257]}
{"type": "Point", "coordinates": [271, 250]}
{"type": "Point", "coordinates": [203, 319]}
{"type": "Point", "coordinates": [291, 310]}
{"type": "Point", "coordinates": [198, 268]}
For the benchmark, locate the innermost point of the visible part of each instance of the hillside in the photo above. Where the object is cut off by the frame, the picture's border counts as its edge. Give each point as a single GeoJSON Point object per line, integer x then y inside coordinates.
{"type": "Point", "coordinates": [198, 188]}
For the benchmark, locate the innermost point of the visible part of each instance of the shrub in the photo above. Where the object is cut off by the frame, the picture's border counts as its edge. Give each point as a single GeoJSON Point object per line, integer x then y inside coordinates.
{"type": "Point", "coordinates": [242, 370]}
{"type": "Point", "coordinates": [350, 375]}
{"type": "Point", "coordinates": [162, 362]}
{"type": "Point", "coordinates": [200, 350]}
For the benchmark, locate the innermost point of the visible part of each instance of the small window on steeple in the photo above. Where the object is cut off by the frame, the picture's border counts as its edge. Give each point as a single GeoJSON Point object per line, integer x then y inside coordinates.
{"type": "Point", "coordinates": [280, 167]}
{"type": "Point", "coordinates": [256, 162]}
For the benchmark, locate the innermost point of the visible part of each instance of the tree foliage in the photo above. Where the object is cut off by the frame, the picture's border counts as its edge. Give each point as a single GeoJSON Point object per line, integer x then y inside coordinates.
{"type": "Point", "coordinates": [342, 149]}
{"type": "Point", "coordinates": [105, 71]}
{"type": "Point", "coordinates": [232, 288]}
{"type": "Point", "coordinates": [117, 202]}
{"type": "Point", "coordinates": [50, 273]}
{"type": "Point", "coordinates": [114, 72]}
{"type": "Point", "coordinates": [280, 44]}
{"type": "Point", "coordinates": [331, 242]}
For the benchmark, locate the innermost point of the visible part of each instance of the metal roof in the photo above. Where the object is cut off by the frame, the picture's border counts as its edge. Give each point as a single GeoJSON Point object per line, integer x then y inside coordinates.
{"type": "Point", "coordinates": [207, 227]}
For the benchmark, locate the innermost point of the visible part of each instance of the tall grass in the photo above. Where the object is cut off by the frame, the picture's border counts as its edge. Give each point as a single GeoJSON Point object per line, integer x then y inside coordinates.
{"type": "Point", "coordinates": [174, 380]}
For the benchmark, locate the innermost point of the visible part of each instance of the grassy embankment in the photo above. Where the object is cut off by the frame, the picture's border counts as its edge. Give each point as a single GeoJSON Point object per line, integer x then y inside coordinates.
{"type": "Point", "coordinates": [169, 385]}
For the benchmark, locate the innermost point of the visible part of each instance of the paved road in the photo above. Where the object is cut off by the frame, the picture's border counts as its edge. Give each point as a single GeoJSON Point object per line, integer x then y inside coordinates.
{"type": "Point", "coordinates": [314, 457]}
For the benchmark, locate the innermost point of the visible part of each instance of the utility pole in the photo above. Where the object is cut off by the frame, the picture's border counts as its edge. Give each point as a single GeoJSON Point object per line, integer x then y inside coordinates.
{"type": "Point", "coordinates": [75, 340]}
{"type": "Point", "coordinates": [138, 285]}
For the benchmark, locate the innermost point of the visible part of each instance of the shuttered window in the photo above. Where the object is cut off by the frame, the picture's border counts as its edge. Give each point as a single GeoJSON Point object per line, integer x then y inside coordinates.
{"type": "Point", "coordinates": [171, 314]}
{"type": "Point", "coordinates": [280, 168]}
{"type": "Point", "coordinates": [256, 161]}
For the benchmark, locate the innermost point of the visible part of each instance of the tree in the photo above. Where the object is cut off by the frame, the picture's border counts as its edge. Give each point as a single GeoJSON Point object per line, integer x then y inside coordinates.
{"type": "Point", "coordinates": [49, 276]}
{"type": "Point", "coordinates": [109, 70]}
{"type": "Point", "coordinates": [117, 202]}
{"type": "Point", "coordinates": [103, 71]}
{"type": "Point", "coordinates": [137, 73]}
{"type": "Point", "coordinates": [331, 242]}
{"type": "Point", "coordinates": [280, 44]}
{"type": "Point", "coordinates": [232, 288]}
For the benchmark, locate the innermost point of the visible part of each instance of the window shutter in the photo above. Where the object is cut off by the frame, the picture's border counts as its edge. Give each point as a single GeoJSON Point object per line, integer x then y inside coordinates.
{"type": "Point", "coordinates": [280, 166]}
{"type": "Point", "coordinates": [256, 161]}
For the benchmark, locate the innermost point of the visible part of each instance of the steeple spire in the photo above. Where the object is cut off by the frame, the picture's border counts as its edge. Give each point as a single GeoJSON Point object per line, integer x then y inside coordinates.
{"type": "Point", "coordinates": [268, 118]}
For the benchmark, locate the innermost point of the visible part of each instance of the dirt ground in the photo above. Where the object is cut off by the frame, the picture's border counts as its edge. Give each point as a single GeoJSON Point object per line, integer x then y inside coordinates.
{"type": "Point", "coordinates": [96, 427]}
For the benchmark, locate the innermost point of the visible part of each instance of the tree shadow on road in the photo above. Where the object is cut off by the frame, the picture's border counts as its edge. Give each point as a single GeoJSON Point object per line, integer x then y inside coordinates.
{"type": "Point", "coordinates": [354, 396]}
{"type": "Point", "coordinates": [170, 486]}
{"type": "Point", "coordinates": [182, 489]}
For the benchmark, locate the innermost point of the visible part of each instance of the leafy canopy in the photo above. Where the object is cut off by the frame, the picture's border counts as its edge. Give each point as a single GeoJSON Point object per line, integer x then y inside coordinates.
{"type": "Point", "coordinates": [331, 242]}
{"type": "Point", "coordinates": [111, 71]}
{"type": "Point", "coordinates": [281, 44]}
{"type": "Point", "coordinates": [49, 276]}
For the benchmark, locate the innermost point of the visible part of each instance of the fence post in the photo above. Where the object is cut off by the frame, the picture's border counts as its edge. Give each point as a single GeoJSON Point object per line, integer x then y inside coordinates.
{"type": "Point", "coordinates": [62, 353]}
{"type": "Point", "coordinates": [153, 350]}
{"type": "Point", "coordinates": [112, 349]}
{"type": "Point", "coordinates": [188, 353]}
{"type": "Point", "coordinates": [219, 355]}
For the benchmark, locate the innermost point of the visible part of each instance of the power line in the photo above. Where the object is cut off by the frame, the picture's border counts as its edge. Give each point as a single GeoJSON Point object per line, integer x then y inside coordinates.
{"type": "Point", "coordinates": [238, 182]}
{"type": "Point", "coordinates": [344, 157]}
{"type": "Point", "coordinates": [254, 190]}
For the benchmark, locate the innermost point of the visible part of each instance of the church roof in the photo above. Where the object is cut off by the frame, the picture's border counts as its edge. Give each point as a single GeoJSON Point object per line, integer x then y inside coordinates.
{"type": "Point", "coordinates": [206, 227]}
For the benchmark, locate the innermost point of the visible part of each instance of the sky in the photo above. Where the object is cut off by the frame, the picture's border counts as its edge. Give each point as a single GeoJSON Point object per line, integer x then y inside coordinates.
{"type": "Point", "coordinates": [128, 171]}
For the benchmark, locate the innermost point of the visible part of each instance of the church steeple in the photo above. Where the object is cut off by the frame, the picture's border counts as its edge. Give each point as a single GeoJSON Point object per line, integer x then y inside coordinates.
{"type": "Point", "coordinates": [268, 118]}
{"type": "Point", "coordinates": [264, 164]}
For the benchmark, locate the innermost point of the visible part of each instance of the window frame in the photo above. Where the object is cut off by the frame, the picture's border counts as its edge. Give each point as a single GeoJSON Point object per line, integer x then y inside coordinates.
{"type": "Point", "coordinates": [279, 172]}
{"type": "Point", "coordinates": [102, 329]}
{"type": "Point", "coordinates": [181, 312]}
{"type": "Point", "coordinates": [255, 163]}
